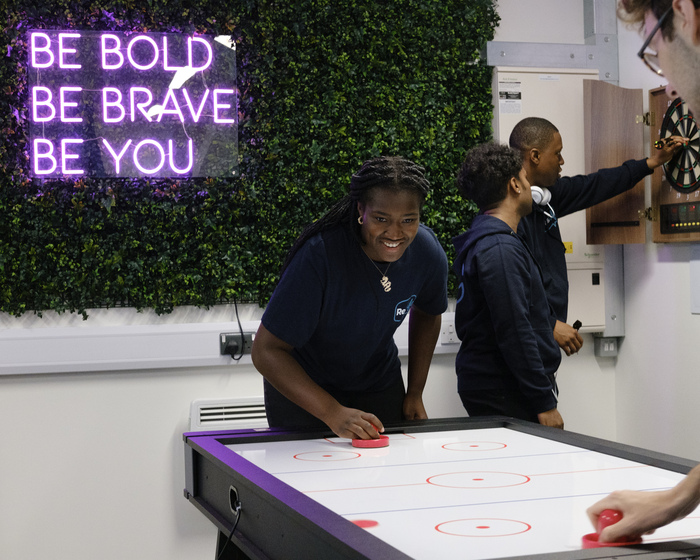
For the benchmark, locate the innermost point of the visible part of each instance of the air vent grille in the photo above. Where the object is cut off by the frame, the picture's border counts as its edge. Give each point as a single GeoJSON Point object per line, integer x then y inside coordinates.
{"type": "Point", "coordinates": [224, 414]}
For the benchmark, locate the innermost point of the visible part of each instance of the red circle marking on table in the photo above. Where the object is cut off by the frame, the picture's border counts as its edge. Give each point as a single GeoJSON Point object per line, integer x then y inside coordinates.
{"type": "Point", "coordinates": [326, 456]}
{"type": "Point", "coordinates": [474, 446]}
{"type": "Point", "coordinates": [483, 527]}
{"type": "Point", "coordinates": [478, 479]}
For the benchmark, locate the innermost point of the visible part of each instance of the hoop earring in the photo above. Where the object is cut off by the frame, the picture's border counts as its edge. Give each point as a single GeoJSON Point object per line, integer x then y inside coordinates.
{"type": "Point", "coordinates": [359, 220]}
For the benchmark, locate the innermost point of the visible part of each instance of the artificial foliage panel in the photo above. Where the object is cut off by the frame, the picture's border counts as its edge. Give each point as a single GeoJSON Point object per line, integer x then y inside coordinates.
{"type": "Point", "coordinates": [323, 86]}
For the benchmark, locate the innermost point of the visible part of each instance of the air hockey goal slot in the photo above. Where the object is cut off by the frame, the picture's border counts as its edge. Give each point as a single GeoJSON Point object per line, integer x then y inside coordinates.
{"type": "Point", "coordinates": [234, 502]}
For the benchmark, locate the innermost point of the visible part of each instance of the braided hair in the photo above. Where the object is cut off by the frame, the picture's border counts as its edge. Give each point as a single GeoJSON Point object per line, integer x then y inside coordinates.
{"type": "Point", "coordinates": [390, 173]}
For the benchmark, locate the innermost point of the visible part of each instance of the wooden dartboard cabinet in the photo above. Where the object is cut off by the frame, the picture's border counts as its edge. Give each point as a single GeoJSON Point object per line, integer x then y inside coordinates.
{"type": "Point", "coordinates": [675, 187]}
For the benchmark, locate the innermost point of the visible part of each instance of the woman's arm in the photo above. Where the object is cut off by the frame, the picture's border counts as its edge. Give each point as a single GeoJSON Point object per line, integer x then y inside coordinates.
{"type": "Point", "coordinates": [423, 332]}
{"type": "Point", "coordinates": [272, 357]}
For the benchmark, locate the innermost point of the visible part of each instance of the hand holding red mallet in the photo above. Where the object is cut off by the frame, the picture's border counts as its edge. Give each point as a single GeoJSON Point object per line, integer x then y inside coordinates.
{"type": "Point", "coordinates": [606, 518]}
{"type": "Point", "coordinates": [382, 441]}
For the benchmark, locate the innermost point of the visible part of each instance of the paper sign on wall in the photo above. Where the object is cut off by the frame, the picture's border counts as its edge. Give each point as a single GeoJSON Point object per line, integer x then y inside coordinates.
{"type": "Point", "coordinates": [510, 97]}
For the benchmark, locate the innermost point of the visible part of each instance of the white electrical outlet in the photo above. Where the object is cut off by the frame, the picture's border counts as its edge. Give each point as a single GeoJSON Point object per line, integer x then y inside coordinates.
{"type": "Point", "coordinates": [448, 335]}
{"type": "Point", "coordinates": [605, 347]}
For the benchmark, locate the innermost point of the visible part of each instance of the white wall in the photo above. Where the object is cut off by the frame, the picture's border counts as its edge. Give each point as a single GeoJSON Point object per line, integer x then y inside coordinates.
{"type": "Point", "coordinates": [540, 21]}
{"type": "Point", "coordinates": [92, 463]}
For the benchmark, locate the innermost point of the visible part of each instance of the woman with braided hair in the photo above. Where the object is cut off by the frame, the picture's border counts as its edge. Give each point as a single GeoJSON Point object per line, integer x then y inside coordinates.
{"type": "Point", "coordinates": [325, 344]}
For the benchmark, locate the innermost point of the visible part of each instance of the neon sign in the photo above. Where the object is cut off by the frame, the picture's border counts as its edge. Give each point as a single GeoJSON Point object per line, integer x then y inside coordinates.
{"type": "Point", "coordinates": [107, 104]}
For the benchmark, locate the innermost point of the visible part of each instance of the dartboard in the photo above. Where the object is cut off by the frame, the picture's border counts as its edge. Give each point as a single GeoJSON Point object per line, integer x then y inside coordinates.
{"type": "Point", "coordinates": [683, 171]}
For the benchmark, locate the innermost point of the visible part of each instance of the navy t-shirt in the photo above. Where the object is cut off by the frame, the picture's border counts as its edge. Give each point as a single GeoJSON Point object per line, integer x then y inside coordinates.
{"type": "Point", "coordinates": [330, 306]}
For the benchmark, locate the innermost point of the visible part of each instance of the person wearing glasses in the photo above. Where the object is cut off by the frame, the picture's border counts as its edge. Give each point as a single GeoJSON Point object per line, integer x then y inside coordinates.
{"type": "Point", "coordinates": [671, 49]}
{"type": "Point", "coordinates": [540, 145]}
{"type": "Point", "coordinates": [672, 45]}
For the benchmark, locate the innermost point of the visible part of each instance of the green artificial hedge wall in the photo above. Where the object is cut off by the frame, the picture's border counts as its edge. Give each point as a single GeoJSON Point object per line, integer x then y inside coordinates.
{"type": "Point", "coordinates": [324, 85]}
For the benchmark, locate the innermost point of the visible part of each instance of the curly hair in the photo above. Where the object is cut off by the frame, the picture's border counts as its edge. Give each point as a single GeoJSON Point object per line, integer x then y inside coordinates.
{"type": "Point", "coordinates": [633, 12]}
{"type": "Point", "coordinates": [484, 175]}
{"type": "Point", "coordinates": [532, 132]}
{"type": "Point", "coordinates": [392, 173]}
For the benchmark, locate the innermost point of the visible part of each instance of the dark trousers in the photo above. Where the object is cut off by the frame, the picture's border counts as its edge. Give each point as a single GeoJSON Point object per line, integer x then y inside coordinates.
{"type": "Point", "coordinates": [499, 403]}
{"type": "Point", "coordinates": [387, 405]}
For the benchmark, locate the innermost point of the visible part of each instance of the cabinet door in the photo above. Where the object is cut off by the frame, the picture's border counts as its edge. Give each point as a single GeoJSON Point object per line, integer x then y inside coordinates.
{"type": "Point", "coordinates": [612, 135]}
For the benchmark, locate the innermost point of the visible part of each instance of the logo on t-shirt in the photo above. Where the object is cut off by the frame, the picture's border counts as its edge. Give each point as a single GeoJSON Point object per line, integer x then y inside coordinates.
{"type": "Point", "coordinates": [460, 289]}
{"type": "Point", "coordinates": [402, 308]}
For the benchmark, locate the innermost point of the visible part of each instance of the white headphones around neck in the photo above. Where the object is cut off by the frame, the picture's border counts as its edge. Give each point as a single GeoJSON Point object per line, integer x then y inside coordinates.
{"type": "Point", "coordinates": [540, 196]}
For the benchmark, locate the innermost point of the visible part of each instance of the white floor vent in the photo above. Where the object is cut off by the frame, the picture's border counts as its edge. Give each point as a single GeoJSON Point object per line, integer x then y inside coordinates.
{"type": "Point", "coordinates": [227, 414]}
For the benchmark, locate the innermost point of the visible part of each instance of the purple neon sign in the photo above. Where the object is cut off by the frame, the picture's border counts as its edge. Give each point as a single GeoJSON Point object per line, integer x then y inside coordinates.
{"type": "Point", "coordinates": [108, 104]}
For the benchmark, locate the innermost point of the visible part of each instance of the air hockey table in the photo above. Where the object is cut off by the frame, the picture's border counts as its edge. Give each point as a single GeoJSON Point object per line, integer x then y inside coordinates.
{"type": "Point", "coordinates": [467, 488]}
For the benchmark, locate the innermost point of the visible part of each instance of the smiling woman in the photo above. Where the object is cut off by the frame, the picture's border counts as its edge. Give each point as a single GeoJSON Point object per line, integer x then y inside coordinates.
{"type": "Point", "coordinates": [389, 223]}
{"type": "Point", "coordinates": [325, 345]}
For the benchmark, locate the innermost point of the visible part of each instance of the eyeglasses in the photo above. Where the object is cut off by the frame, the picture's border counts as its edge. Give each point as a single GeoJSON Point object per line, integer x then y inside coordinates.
{"type": "Point", "coordinates": [651, 59]}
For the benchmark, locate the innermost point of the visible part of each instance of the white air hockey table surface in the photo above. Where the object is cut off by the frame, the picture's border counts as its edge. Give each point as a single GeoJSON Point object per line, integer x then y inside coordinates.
{"type": "Point", "coordinates": [458, 488]}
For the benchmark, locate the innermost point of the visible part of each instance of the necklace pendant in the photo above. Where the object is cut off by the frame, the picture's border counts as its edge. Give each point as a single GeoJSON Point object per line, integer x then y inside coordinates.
{"type": "Point", "coordinates": [385, 284]}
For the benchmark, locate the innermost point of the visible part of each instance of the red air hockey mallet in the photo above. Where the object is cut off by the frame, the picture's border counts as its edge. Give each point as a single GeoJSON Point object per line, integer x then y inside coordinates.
{"type": "Point", "coordinates": [606, 518]}
{"type": "Point", "coordinates": [381, 441]}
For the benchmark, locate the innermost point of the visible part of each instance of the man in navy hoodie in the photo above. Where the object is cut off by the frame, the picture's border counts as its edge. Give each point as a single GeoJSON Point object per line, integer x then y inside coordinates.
{"type": "Point", "coordinates": [508, 358]}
